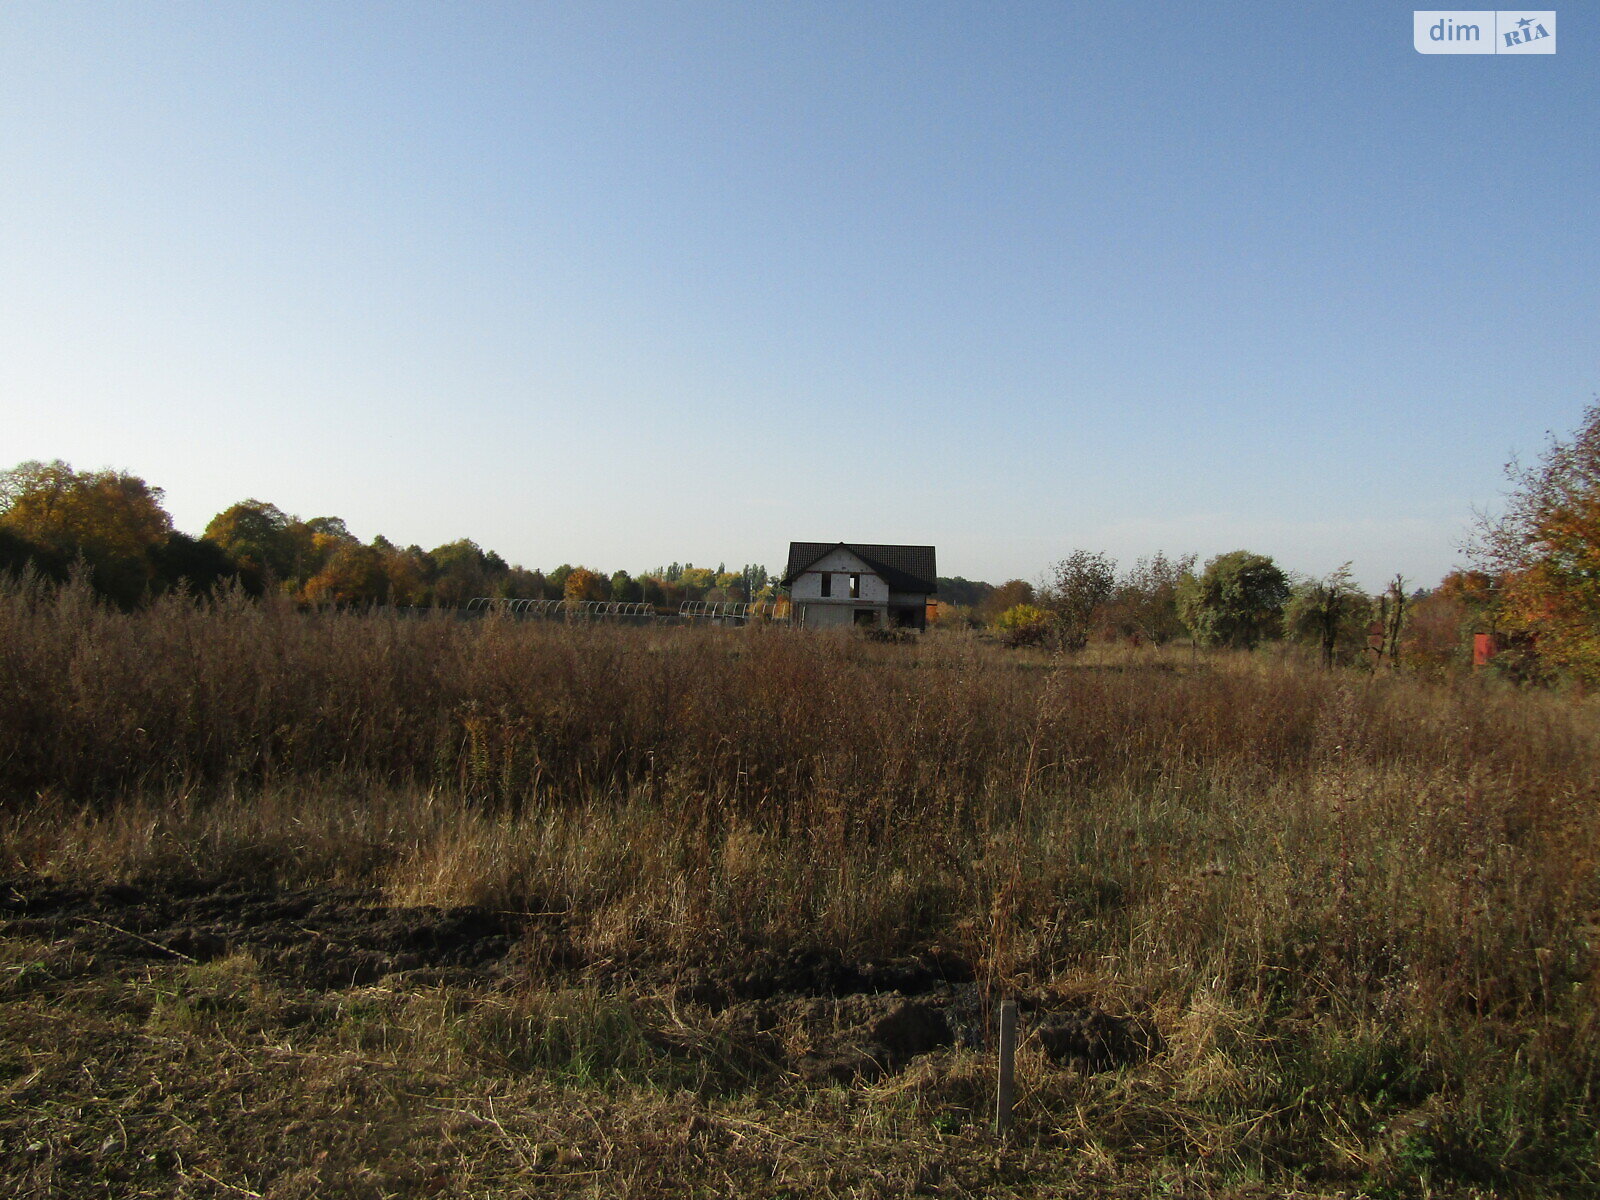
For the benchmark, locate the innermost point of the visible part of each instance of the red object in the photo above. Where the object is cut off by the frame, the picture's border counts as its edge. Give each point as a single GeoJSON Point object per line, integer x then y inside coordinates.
{"type": "Point", "coordinates": [1484, 648]}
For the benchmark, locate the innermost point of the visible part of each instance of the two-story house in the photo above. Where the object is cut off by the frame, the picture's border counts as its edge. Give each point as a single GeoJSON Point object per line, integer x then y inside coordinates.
{"type": "Point", "coordinates": [834, 584]}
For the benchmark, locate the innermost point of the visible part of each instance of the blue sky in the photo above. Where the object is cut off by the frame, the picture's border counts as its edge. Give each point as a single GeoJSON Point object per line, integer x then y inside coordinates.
{"type": "Point", "coordinates": [621, 284]}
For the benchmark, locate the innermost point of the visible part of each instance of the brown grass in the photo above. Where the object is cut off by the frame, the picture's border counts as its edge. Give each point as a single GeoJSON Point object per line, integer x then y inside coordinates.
{"type": "Point", "coordinates": [1361, 909]}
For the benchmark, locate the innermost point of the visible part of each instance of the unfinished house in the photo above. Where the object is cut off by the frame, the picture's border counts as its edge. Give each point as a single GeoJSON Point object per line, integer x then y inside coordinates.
{"type": "Point", "coordinates": [838, 584]}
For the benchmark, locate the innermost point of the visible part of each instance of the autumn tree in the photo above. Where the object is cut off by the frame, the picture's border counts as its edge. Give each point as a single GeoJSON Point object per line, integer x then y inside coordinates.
{"type": "Point", "coordinates": [332, 528]}
{"type": "Point", "coordinates": [962, 592]}
{"type": "Point", "coordinates": [1002, 599]}
{"type": "Point", "coordinates": [584, 585]}
{"type": "Point", "coordinates": [256, 535]}
{"type": "Point", "coordinates": [697, 581]}
{"type": "Point", "coordinates": [1546, 548]}
{"type": "Point", "coordinates": [1440, 622]}
{"type": "Point", "coordinates": [18, 554]}
{"type": "Point", "coordinates": [351, 574]}
{"type": "Point", "coordinates": [754, 581]}
{"type": "Point", "coordinates": [461, 571]}
{"type": "Point", "coordinates": [405, 572]}
{"type": "Point", "coordinates": [1026, 625]}
{"type": "Point", "coordinates": [316, 551]}
{"type": "Point", "coordinates": [112, 519]}
{"type": "Point", "coordinates": [1080, 585]}
{"type": "Point", "coordinates": [1391, 610]}
{"type": "Point", "coordinates": [519, 583]}
{"type": "Point", "coordinates": [1478, 591]}
{"type": "Point", "coordinates": [1236, 601]}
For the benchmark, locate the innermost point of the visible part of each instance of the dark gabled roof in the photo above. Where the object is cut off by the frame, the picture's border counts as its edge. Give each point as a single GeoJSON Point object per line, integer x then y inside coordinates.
{"type": "Point", "coordinates": [903, 568]}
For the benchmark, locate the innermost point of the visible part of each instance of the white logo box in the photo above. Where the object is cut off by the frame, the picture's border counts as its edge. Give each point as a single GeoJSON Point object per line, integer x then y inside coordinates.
{"type": "Point", "coordinates": [1483, 31]}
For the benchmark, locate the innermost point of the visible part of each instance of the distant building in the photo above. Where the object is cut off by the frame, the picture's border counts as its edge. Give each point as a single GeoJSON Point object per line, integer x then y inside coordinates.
{"type": "Point", "coordinates": [837, 584]}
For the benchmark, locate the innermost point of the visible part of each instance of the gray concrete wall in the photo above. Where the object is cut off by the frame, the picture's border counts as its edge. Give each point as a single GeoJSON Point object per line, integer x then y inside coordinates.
{"type": "Point", "coordinates": [841, 564]}
{"type": "Point", "coordinates": [824, 614]}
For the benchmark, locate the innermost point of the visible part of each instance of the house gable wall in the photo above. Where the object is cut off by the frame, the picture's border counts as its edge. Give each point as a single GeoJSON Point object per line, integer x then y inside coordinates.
{"type": "Point", "coordinates": [841, 564]}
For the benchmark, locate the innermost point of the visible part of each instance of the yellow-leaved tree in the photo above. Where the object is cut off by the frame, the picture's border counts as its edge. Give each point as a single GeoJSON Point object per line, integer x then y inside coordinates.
{"type": "Point", "coordinates": [114, 520]}
{"type": "Point", "coordinates": [584, 584]}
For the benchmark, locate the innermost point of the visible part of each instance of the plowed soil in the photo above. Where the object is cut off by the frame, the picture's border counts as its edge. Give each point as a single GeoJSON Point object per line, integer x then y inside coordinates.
{"type": "Point", "coordinates": [846, 1019]}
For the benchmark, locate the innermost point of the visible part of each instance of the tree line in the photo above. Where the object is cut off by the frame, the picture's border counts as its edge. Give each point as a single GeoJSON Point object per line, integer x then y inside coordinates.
{"type": "Point", "coordinates": [112, 525]}
{"type": "Point", "coordinates": [1242, 599]}
{"type": "Point", "coordinates": [1237, 600]}
{"type": "Point", "coordinates": [1534, 586]}
{"type": "Point", "coordinates": [1533, 591]}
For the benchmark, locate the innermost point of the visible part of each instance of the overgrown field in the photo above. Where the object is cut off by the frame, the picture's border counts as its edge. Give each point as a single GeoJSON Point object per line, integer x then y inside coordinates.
{"type": "Point", "coordinates": [328, 904]}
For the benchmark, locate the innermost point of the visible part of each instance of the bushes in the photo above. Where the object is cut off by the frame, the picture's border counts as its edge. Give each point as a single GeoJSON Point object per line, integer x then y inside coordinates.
{"type": "Point", "coordinates": [1236, 601]}
{"type": "Point", "coordinates": [1025, 625]}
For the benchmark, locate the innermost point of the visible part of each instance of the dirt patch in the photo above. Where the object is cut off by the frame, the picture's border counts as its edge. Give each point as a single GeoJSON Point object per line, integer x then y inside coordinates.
{"type": "Point", "coordinates": [865, 1033]}
{"type": "Point", "coordinates": [1091, 1040]}
{"type": "Point", "coordinates": [318, 939]}
{"type": "Point", "coordinates": [894, 1032]}
{"type": "Point", "coordinates": [819, 973]}
{"type": "Point", "coordinates": [814, 1014]}
{"type": "Point", "coordinates": [867, 1036]}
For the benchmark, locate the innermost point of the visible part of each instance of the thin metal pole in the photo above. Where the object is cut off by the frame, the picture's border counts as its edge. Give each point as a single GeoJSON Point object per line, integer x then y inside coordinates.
{"type": "Point", "coordinates": [1006, 1092]}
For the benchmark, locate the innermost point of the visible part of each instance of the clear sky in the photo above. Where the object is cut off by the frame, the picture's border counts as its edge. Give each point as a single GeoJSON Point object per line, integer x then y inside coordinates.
{"type": "Point", "coordinates": [620, 284]}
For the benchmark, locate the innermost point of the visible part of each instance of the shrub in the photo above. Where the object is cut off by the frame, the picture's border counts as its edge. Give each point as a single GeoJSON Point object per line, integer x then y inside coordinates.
{"type": "Point", "coordinates": [1025, 625]}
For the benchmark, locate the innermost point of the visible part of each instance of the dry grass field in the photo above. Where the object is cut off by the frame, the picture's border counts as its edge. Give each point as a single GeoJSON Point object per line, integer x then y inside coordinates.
{"type": "Point", "coordinates": [340, 905]}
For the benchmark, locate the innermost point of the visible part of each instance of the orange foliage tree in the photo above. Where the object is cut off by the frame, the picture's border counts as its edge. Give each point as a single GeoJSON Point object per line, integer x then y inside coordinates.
{"type": "Point", "coordinates": [1440, 625]}
{"type": "Point", "coordinates": [1546, 548]}
{"type": "Point", "coordinates": [583, 584]}
{"type": "Point", "coordinates": [351, 574]}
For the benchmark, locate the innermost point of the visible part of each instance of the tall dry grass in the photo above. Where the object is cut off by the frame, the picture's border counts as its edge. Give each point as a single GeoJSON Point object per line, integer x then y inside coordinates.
{"type": "Point", "coordinates": [1363, 909]}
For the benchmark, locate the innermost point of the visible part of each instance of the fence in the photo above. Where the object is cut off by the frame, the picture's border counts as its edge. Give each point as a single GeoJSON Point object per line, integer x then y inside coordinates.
{"type": "Point", "coordinates": [725, 612]}
{"type": "Point", "coordinates": [567, 609]}
{"type": "Point", "coordinates": [715, 612]}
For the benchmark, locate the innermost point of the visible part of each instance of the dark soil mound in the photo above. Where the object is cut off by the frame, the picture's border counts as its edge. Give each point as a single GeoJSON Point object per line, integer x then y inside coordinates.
{"type": "Point", "coordinates": [1096, 1041]}
{"type": "Point", "coordinates": [814, 1013]}
{"type": "Point", "coordinates": [819, 973]}
{"type": "Point", "coordinates": [317, 939]}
